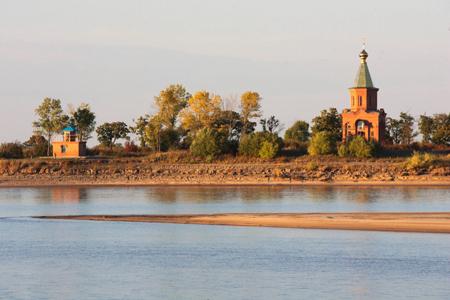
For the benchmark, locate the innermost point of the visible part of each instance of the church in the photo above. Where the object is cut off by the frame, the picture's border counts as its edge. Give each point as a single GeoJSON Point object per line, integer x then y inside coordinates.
{"type": "Point", "coordinates": [364, 118]}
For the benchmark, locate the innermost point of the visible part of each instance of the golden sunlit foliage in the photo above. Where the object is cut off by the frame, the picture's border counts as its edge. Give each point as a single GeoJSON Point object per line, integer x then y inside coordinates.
{"type": "Point", "coordinates": [201, 111]}
{"type": "Point", "coordinates": [169, 103]}
{"type": "Point", "coordinates": [250, 109]}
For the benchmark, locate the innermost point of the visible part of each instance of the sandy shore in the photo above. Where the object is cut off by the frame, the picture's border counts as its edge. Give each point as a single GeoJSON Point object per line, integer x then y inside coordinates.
{"type": "Point", "coordinates": [400, 222]}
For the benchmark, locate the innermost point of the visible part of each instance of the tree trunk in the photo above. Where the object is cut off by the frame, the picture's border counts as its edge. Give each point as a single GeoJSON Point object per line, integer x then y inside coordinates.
{"type": "Point", "coordinates": [48, 144]}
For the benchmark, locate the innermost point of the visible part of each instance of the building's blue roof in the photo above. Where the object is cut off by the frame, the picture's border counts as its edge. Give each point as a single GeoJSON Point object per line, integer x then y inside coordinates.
{"type": "Point", "coordinates": [69, 128]}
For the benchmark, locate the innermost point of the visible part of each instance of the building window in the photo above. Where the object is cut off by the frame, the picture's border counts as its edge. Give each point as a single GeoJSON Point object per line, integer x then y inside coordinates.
{"type": "Point", "coordinates": [360, 100]}
{"type": "Point", "coordinates": [63, 149]}
{"type": "Point", "coordinates": [353, 100]}
{"type": "Point", "coordinates": [360, 125]}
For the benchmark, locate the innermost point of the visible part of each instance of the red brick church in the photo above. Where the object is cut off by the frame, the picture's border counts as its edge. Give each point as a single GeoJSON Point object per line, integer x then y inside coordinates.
{"type": "Point", "coordinates": [364, 118]}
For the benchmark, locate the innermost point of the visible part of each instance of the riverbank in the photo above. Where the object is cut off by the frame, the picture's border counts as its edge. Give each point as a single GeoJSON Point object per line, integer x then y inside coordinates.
{"type": "Point", "coordinates": [397, 222]}
{"type": "Point", "coordinates": [142, 171]}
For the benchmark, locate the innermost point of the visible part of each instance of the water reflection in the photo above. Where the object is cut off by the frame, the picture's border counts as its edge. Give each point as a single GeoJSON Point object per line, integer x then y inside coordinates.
{"type": "Point", "coordinates": [64, 194]}
{"type": "Point", "coordinates": [198, 194]}
{"type": "Point", "coordinates": [357, 194]}
{"type": "Point", "coordinates": [217, 199]}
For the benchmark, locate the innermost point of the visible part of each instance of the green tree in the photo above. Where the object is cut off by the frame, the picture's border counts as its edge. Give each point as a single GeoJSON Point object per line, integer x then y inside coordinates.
{"type": "Point", "coordinates": [109, 133]}
{"type": "Point", "coordinates": [393, 130]}
{"type": "Point", "coordinates": [268, 150]}
{"type": "Point", "coordinates": [84, 121]}
{"type": "Point", "coordinates": [250, 110]}
{"type": "Point", "coordinates": [152, 133]}
{"type": "Point", "coordinates": [426, 128]}
{"type": "Point", "coordinates": [139, 127]}
{"type": "Point", "coordinates": [35, 146]}
{"type": "Point", "coordinates": [51, 119]}
{"type": "Point", "coordinates": [229, 124]}
{"type": "Point", "coordinates": [271, 125]}
{"type": "Point", "coordinates": [441, 129]}
{"type": "Point", "coordinates": [251, 144]}
{"type": "Point", "coordinates": [11, 150]}
{"type": "Point", "coordinates": [170, 102]}
{"type": "Point", "coordinates": [357, 147]}
{"type": "Point", "coordinates": [206, 144]}
{"type": "Point", "coordinates": [297, 134]}
{"type": "Point", "coordinates": [407, 133]}
{"type": "Point", "coordinates": [323, 142]}
{"type": "Point", "coordinates": [328, 121]}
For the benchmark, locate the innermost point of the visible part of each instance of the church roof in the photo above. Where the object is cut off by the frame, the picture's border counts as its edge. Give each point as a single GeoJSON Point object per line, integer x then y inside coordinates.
{"type": "Point", "coordinates": [69, 128]}
{"type": "Point", "coordinates": [363, 79]}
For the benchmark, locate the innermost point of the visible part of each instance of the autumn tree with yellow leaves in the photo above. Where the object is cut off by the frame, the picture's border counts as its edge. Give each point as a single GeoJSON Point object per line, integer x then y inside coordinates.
{"type": "Point", "coordinates": [169, 103]}
{"type": "Point", "coordinates": [250, 110]}
{"type": "Point", "coordinates": [201, 111]}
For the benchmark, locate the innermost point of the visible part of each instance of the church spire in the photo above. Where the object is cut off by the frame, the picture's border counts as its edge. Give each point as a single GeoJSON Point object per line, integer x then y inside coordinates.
{"type": "Point", "coordinates": [363, 79]}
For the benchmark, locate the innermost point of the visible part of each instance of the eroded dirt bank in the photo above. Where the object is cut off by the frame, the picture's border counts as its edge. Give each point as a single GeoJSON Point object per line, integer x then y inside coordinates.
{"type": "Point", "coordinates": [141, 171]}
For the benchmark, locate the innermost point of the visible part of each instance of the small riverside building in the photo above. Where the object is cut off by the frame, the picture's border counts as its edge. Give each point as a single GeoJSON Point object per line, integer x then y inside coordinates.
{"type": "Point", "coordinates": [364, 118]}
{"type": "Point", "coordinates": [70, 146]}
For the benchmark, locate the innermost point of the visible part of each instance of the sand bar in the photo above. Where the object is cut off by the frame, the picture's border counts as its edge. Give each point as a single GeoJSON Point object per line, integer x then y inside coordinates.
{"type": "Point", "coordinates": [432, 222]}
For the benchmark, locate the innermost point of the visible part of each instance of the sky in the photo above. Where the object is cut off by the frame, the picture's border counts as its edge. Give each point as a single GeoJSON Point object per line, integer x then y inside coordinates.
{"type": "Point", "coordinates": [301, 56]}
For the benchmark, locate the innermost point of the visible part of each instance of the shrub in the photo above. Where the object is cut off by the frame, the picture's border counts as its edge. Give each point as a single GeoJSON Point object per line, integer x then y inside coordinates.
{"type": "Point", "coordinates": [343, 150]}
{"type": "Point", "coordinates": [322, 143]}
{"type": "Point", "coordinates": [297, 135]}
{"type": "Point", "coordinates": [268, 150]}
{"type": "Point", "coordinates": [36, 146]}
{"type": "Point", "coordinates": [252, 144]}
{"type": "Point", "coordinates": [420, 160]}
{"type": "Point", "coordinates": [130, 147]}
{"type": "Point", "coordinates": [357, 147]}
{"type": "Point", "coordinates": [11, 150]}
{"type": "Point", "coordinates": [206, 144]}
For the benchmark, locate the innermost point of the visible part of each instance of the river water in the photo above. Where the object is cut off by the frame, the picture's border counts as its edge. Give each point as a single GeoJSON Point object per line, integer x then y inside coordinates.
{"type": "Point", "coordinates": [57, 259]}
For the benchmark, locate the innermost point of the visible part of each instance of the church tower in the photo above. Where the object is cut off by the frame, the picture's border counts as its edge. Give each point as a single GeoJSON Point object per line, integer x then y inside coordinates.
{"type": "Point", "coordinates": [363, 118]}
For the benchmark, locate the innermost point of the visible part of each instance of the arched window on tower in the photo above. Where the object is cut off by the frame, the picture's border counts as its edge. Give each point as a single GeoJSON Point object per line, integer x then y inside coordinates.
{"type": "Point", "coordinates": [360, 100]}
{"type": "Point", "coordinates": [360, 125]}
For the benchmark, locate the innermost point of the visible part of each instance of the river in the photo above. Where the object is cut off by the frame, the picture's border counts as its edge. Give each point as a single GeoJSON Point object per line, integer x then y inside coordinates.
{"type": "Point", "coordinates": [57, 259]}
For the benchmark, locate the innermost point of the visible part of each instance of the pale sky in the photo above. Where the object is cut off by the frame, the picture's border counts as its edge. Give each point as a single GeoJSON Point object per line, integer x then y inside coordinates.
{"type": "Point", "coordinates": [301, 56]}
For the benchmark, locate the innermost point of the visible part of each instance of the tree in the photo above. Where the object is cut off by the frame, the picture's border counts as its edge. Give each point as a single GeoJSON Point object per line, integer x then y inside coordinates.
{"type": "Point", "coordinates": [109, 133]}
{"type": "Point", "coordinates": [84, 121]}
{"type": "Point", "coordinates": [323, 142]}
{"type": "Point", "coordinates": [441, 129]}
{"type": "Point", "coordinates": [206, 144]}
{"type": "Point", "coordinates": [328, 121]}
{"type": "Point", "coordinates": [201, 111]}
{"type": "Point", "coordinates": [393, 130]}
{"type": "Point", "coordinates": [297, 133]}
{"type": "Point", "coordinates": [271, 125]}
{"type": "Point", "coordinates": [229, 124]}
{"type": "Point", "coordinates": [51, 119]}
{"type": "Point", "coordinates": [139, 127]}
{"type": "Point", "coordinates": [268, 150]}
{"type": "Point", "coordinates": [357, 147]}
{"type": "Point", "coordinates": [252, 144]}
{"type": "Point", "coordinates": [152, 133]}
{"type": "Point", "coordinates": [426, 128]}
{"type": "Point", "coordinates": [11, 150]}
{"type": "Point", "coordinates": [250, 109]}
{"type": "Point", "coordinates": [407, 133]}
{"type": "Point", "coordinates": [35, 146]}
{"type": "Point", "coordinates": [170, 102]}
